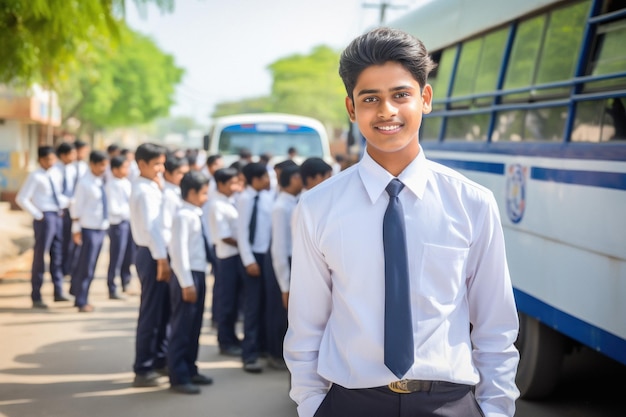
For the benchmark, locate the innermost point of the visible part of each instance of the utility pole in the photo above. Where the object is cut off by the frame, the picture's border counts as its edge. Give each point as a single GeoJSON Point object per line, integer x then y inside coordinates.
{"type": "Point", "coordinates": [383, 6]}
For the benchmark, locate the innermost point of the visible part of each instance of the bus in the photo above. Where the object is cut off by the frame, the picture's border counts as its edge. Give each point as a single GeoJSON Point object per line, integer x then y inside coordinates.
{"type": "Point", "coordinates": [272, 133]}
{"type": "Point", "coordinates": [529, 100]}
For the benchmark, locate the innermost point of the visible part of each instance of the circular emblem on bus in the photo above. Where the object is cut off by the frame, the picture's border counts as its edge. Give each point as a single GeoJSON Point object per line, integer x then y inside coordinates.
{"type": "Point", "coordinates": [515, 192]}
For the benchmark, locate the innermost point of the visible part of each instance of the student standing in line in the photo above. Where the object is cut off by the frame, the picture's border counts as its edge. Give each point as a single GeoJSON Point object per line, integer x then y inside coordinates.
{"type": "Point", "coordinates": [277, 284]}
{"type": "Point", "coordinates": [67, 177]}
{"type": "Point", "coordinates": [146, 203]}
{"type": "Point", "coordinates": [39, 197]}
{"type": "Point", "coordinates": [253, 239]}
{"type": "Point", "coordinates": [120, 239]}
{"type": "Point", "coordinates": [189, 252]}
{"type": "Point", "coordinates": [82, 157]}
{"type": "Point", "coordinates": [400, 298]}
{"type": "Point", "coordinates": [314, 171]}
{"type": "Point", "coordinates": [229, 272]}
{"type": "Point", "coordinates": [175, 168]}
{"type": "Point", "coordinates": [90, 222]}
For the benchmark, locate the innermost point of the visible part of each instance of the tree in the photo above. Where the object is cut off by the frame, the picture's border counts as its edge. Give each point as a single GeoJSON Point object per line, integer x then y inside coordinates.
{"type": "Point", "coordinates": [129, 82]}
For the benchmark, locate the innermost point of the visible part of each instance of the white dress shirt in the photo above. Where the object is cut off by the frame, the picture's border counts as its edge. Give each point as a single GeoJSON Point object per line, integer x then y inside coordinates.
{"type": "Point", "coordinates": [36, 194]}
{"type": "Point", "coordinates": [172, 201]}
{"type": "Point", "coordinates": [458, 275]}
{"type": "Point", "coordinates": [223, 217]}
{"type": "Point", "coordinates": [66, 180]}
{"type": "Point", "coordinates": [186, 248]}
{"type": "Point", "coordinates": [118, 194]}
{"type": "Point", "coordinates": [281, 237]}
{"type": "Point", "coordinates": [261, 244]}
{"type": "Point", "coordinates": [146, 222]}
{"type": "Point", "coordinates": [82, 167]}
{"type": "Point", "coordinates": [87, 206]}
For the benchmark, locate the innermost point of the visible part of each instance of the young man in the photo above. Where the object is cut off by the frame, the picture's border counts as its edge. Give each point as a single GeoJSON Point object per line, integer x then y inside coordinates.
{"type": "Point", "coordinates": [175, 168]}
{"type": "Point", "coordinates": [278, 264]}
{"type": "Point", "coordinates": [400, 295]}
{"type": "Point", "coordinates": [120, 238]}
{"type": "Point", "coordinates": [146, 201]}
{"type": "Point", "coordinates": [90, 218]}
{"type": "Point", "coordinates": [228, 274]}
{"type": "Point", "coordinates": [39, 197]}
{"type": "Point", "coordinates": [314, 171]}
{"type": "Point", "coordinates": [189, 252]}
{"type": "Point", "coordinates": [253, 239]}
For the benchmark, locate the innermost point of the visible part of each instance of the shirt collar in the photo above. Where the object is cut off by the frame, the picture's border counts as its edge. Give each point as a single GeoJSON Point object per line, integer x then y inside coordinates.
{"type": "Point", "coordinates": [195, 209]}
{"type": "Point", "coordinates": [289, 197]}
{"type": "Point", "coordinates": [375, 178]}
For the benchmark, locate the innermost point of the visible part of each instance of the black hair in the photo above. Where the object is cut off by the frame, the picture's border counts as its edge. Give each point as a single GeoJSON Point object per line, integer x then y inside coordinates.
{"type": "Point", "coordinates": [44, 151]}
{"type": "Point", "coordinates": [312, 167]}
{"type": "Point", "coordinates": [118, 161]}
{"type": "Point", "coordinates": [382, 45]}
{"type": "Point", "coordinates": [265, 158]}
{"type": "Point", "coordinates": [253, 170]}
{"type": "Point", "coordinates": [78, 144]}
{"type": "Point", "coordinates": [292, 149]}
{"type": "Point", "coordinates": [113, 148]}
{"type": "Point", "coordinates": [96, 157]}
{"type": "Point", "coordinates": [212, 158]}
{"type": "Point", "coordinates": [192, 180]}
{"type": "Point", "coordinates": [192, 155]}
{"type": "Point", "coordinates": [286, 173]}
{"type": "Point", "coordinates": [244, 153]}
{"type": "Point", "coordinates": [149, 151]}
{"type": "Point", "coordinates": [124, 151]}
{"type": "Point", "coordinates": [173, 162]}
{"type": "Point", "coordinates": [223, 175]}
{"type": "Point", "coordinates": [284, 164]}
{"type": "Point", "coordinates": [64, 148]}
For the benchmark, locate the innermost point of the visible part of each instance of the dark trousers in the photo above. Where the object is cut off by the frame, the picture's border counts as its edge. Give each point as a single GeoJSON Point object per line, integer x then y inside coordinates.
{"type": "Point", "coordinates": [70, 250]}
{"type": "Point", "coordinates": [253, 314]}
{"type": "Point", "coordinates": [154, 311]}
{"type": "Point", "coordinates": [120, 242]}
{"type": "Point", "coordinates": [86, 265]}
{"type": "Point", "coordinates": [185, 326]}
{"type": "Point", "coordinates": [216, 284]}
{"type": "Point", "coordinates": [230, 275]}
{"type": "Point", "coordinates": [445, 399]}
{"type": "Point", "coordinates": [48, 239]}
{"type": "Point", "coordinates": [275, 312]}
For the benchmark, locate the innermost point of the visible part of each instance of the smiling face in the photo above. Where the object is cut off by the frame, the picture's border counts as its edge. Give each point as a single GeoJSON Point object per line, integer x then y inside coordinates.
{"type": "Point", "coordinates": [388, 106]}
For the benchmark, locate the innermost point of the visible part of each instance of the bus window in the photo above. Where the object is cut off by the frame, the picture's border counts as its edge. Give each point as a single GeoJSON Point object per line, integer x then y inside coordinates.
{"type": "Point", "coordinates": [609, 56]}
{"type": "Point", "coordinates": [600, 121]}
{"type": "Point", "coordinates": [466, 70]}
{"type": "Point", "coordinates": [545, 124]}
{"type": "Point", "coordinates": [430, 128]}
{"type": "Point", "coordinates": [440, 80]}
{"type": "Point", "coordinates": [470, 128]}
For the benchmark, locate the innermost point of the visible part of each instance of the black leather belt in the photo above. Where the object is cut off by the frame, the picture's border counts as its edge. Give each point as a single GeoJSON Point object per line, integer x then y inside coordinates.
{"type": "Point", "coordinates": [407, 386]}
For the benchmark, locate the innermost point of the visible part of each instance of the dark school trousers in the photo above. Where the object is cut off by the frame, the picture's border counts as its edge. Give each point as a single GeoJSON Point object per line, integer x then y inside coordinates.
{"type": "Point", "coordinates": [70, 250]}
{"type": "Point", "coordinates": [230, 275]}
{"type": "Point", "coordinates": [275, 312]}
{"type": "Point", "coordinates": [48, 239]}
{"type": "Point", "coordinates": [253, 314]}
{"type": "Point", "coordinates": [154, 311]}
{"type": "Point", "coordinates": [185, 326]}
{"type": "Point", "coordinates": [120, 249]}
{"type": "Point", "coordinates": [216, 286]}
{"type": "Point", "coordinates": [445, 399]}
{"type": "Point", "coordinates": [86, 265]}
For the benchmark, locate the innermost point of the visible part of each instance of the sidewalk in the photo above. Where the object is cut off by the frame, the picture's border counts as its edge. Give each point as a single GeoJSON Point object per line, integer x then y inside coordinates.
{"type": "Point", "coordinates": [61, 363]}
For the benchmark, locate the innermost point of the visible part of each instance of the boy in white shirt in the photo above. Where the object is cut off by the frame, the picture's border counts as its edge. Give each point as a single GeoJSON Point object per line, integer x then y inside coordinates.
{"type": "Point", "coordinates": [175, 167]}
{"type": "Point", "coordinates": [189, 252]}
{"type": "Point", "coordinates": [120, 238]}
{"type": "Point", "coordinates": [89, 211]}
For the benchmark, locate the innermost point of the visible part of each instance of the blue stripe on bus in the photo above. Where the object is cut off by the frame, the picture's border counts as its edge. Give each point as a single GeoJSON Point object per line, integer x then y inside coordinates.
{"type": "Point", "coordinates": [613, 180]}
{"type": "Point", "coordinates": [592, 336]}
{"type": "Point", "coordinates": [267, 128]}
{"type": "Point", "coordinates": [490, 167]}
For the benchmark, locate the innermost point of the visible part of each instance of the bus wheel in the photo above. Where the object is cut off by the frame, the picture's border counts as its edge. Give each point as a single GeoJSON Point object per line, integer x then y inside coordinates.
{"type": "Point", "coordinates": [541, 353]}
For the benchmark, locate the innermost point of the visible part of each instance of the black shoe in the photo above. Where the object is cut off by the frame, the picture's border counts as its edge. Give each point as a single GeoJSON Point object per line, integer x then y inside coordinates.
{"type": "Point", "coordinates": [254, 367]}
{"type": "Point", "coordinates": [116, 296]}
{"type": "Point", "coordinates": [165, 371]}
{"type": "Point", "coordinates": [230, 351]}
{"type": "Point", "coordinates": [187, 388]}
{"type": "Point", "coordinates": [200, 379]}
{"type": "Point", "coordinates": [40, 305]}
{"type": "Point", "coordinates": [151, 379]}
{"type": "Point", "coordinates": [61, 298]}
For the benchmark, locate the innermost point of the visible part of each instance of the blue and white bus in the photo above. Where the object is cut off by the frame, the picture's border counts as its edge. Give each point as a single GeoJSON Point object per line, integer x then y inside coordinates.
{"type": "Point", "coordinates": [529, 100]}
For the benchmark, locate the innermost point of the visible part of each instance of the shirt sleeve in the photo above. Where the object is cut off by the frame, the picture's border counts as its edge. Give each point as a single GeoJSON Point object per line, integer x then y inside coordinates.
{"type": "Point", "coordinates": [244, 207]}
{"type": "Point", "coordinates": [310, 286]}
{"type": "Point", "coordinates": [25, 195]}
{"type": "Point", "coordinates": [281, 230]}
{"type": "Point", "coordinates": [493, 315]}
{"type": "Point", "coordinates": [179, 250]}
{"type": "Point", "coordinates": [152, 222]}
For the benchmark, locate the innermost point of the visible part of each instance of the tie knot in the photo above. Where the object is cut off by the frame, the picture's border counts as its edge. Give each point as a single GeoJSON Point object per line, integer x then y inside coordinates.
{"type": "Point", "coordinates": [394, 187]}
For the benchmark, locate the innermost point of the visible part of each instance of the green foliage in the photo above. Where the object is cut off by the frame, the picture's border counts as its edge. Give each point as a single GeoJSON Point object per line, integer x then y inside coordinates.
{"type": "Point", "coordinates": [129, 82]}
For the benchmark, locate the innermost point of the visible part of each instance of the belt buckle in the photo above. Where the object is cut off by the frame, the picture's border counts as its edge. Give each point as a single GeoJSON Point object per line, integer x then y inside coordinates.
{"type": "Point", "coordinates": [400, 387]}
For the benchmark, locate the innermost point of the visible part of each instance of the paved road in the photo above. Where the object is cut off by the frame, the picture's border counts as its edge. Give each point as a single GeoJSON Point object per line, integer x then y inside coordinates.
{"type": "Point", "coordinates": [61, 363]}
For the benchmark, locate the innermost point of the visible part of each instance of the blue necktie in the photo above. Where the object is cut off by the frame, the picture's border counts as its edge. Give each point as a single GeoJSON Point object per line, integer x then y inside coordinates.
{"type": "Point", "coordinates": [54, 193]}
{"type": "Point", "coordinates": [105, 208]}
{"type": "Point", "coordinates": [207, 249]}
{"type": "Point", "coordinates": [399, 352]}
{"type": "Point", "coordinates": [252, 225]}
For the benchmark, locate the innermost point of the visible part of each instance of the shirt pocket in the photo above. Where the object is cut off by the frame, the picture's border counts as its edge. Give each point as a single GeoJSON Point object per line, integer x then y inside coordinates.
{"type": "Point", "coordinates": [443, 269]}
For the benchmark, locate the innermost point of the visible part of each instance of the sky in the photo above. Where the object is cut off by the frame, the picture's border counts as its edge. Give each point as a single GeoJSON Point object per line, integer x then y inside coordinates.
{"type": "Point", "coordinates": [225, 46]}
